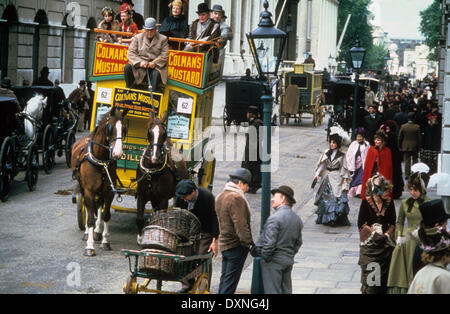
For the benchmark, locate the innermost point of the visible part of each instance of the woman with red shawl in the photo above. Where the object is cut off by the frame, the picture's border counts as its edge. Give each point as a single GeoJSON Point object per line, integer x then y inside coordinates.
{"type": "Point", "coordinates": [378, 161]}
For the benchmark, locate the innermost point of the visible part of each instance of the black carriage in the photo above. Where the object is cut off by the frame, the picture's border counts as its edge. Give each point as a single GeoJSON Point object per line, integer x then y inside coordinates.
{"type": "Point", "coordinates": [18, 152]}
{"type": "Point", "coordinates": [240, 94]}
{"type": "Point", "coordinates": [56, 131]}
{"type": "Point", "coordinates": [337, 97]}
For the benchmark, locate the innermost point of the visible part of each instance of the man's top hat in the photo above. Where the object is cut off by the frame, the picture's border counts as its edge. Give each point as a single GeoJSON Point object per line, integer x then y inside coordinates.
{"type": "Point", "coordinates": [286, 191]}
{"type": "Point", "coordinates": [253, 109]}
{"type": "Point", "coordinates": [202, 8]}
{"type": "Point", "coordinates": [433, 212]}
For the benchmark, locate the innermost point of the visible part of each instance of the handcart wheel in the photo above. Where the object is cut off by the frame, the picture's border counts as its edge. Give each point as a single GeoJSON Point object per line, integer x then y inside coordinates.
{"type": "Point", "coordinates": [81, 212]}
{"type": "Point", "coordinates": [131, 286]}
{"type": "Point", "coordinates": [6, 168]}
{"type": "Point", "coordinates": [70, 140]}
{"type": "Point", "coordinates": [48, 150]}
{"type": "Point", "coordinates": [201, 286]}
{"type": "Point", "coordinates": [32, 172]}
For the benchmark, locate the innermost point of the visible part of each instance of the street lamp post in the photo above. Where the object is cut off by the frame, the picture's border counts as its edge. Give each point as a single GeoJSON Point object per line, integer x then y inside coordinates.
{"type": "Point", "coordinates": [270, 42]}
{"type": "Point", "coordinates": [357, 55]}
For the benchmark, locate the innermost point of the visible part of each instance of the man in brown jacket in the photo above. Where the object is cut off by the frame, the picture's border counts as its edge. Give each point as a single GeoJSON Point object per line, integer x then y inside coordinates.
{"type": "Point", "coordinates": [148, 53]}
{"type": "Point", "coordinates": [235, 239]}
{"type": "Point", "coordinates": [409, 140]}
{"type": "Point", "coordinates": [204, 28]}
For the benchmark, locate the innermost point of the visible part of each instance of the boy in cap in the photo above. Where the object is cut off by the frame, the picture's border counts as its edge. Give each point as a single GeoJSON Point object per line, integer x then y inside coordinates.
{"type": "Point", "coordinates": [201, 203]}
{"type": "Point", "coordinates": [279, 242]}
{"type": "Point", "coordinates": [233, 212]}
{"type": "Point", "coordinates": [434, 278]}
{"type": "Point", "coordinates": [218, 15]}
{"type": "Point", "coordinates": [148, 54]}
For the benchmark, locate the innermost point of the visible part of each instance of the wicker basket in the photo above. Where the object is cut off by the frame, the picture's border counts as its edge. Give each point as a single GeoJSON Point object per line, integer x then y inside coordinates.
{"type": "Point", "coordinates": [180, 221]}
{"type": "Point", "coordinates": [157, 266]}
{"type": "Point", "coordinates": [156, 237]}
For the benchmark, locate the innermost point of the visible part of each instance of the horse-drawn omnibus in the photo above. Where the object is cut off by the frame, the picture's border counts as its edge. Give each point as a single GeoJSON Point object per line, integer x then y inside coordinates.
{"type": "Point", "coordinates": [181, 112]}
{"type": "Point", "coordinates": [301, 93]}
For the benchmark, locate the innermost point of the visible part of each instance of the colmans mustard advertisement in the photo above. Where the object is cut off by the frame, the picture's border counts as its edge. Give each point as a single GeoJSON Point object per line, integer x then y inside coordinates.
{"type": "Point", "coordinates": [186, 67]}
{"type": "Point", "coordinates": [109, 59]}
{"type": "Point", "coordinates": [138, 102]}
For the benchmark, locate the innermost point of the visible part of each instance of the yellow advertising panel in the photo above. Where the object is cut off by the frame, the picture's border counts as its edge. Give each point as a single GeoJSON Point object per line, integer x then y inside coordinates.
{"type": "Point", "coordinates": [109, 60]}
{"type": "Point", "coordinates": [186, 67]}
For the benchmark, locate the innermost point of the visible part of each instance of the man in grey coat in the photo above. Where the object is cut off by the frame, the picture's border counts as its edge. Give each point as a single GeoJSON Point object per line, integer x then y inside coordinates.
{"type": "Point", "coordinates": [279, 242]}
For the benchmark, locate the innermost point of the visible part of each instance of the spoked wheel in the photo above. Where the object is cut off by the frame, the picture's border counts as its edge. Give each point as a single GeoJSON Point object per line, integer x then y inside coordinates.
{"type": "Point", "coordinates": [70, 140]}
{"type": "Point", "coordinates": [6, 168]}
{"type": "Point", "coordinates": [32, 173]}
{"type": "Point", "coordinates": [81, 212]}
{"type": "Point", "coordinates": [48, 150]}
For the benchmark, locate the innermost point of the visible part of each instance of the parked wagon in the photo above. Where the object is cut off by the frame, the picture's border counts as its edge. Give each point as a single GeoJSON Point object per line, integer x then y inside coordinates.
{"type": "Point", "coordinates": [18, 152]}
{"type": "Point", "coordinates": [301, 93]}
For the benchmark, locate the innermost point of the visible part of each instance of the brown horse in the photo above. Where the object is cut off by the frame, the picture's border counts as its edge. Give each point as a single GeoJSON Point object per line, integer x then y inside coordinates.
{"type": "Point", "coordinates": [94, 162]}
{"type": "Point", "coordinates": [159, 171]}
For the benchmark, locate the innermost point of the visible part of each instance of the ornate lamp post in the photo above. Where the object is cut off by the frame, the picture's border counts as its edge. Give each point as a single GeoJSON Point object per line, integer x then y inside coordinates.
{"type": "Point", "coordinates": [357, 54]}
{"type": "Point", "coordinates": [270, 42]}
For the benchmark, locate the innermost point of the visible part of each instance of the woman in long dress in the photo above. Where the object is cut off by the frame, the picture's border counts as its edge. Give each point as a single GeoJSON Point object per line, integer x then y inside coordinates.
{"type": "Point", "coordinates": [376, 223]}
{"type": "Point", "coordinates": [401, 271]}
{"type": "Point", "coordinates": [378, 161]}
{"type": "Point", "coordinates": [356, 156]}
{"type": "Point", "coordinates": [331, 198]}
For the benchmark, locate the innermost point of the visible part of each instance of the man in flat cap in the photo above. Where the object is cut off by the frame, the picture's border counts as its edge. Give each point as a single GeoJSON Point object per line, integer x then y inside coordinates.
{"type": "Point", "coordinates": [253, 143]}
{"type": "Point", "coordinates": [235, 239]}
{"type": "Point", "coordinates": [147, 55]}
{"type": "Point", "coordinates": [218, 15]}
{"type": "Point", "coordinates": [279, 242]}
{"type": "Point", "coordinates": [201, 203]}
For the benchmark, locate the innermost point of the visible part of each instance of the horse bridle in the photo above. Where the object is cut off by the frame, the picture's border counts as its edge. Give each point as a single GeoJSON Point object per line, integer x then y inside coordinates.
{"type": "Point", "coordinates": [109, 146]}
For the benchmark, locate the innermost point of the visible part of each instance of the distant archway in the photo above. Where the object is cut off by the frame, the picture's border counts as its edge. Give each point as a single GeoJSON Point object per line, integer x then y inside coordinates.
{"type": "Point", "coordinates": [41, 17]}
{"type": "Point", "coordinates": [10, 14]}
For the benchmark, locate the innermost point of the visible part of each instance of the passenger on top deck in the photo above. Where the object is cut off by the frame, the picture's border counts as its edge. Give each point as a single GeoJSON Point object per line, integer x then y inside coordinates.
{"type": "Point", "coordinates": [108, 24]}
{"type": "Point", "coordinates": [226, 34]}
{"type": "Point", "coordinates": [147, 56]}
{"type": "Point", "coordinates": [204, 28]}
{"type": "Point", "coordinates": [127, 25]}
{"type": "Point", "coordinates": [175, 25]}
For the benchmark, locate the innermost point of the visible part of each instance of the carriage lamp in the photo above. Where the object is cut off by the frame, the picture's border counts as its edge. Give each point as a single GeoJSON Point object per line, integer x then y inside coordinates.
{"type": "Point", "coordinates": [357, 54]}
{"type": "Point", "coordinates": [266, 44]}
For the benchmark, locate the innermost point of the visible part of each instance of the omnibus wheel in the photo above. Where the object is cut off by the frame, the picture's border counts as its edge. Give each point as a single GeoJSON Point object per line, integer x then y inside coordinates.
{"type": "Point", "coordinates": [70, 140]}
{"type": "Point", "coordinates": [48, 150]}
{"type": "Point", "coordinates": [6, 168]}
{"type": "Point", "coordinates": [32, 172]}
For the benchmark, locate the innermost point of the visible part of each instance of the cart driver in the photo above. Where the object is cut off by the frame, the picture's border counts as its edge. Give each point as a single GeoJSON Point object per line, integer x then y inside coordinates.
{"type": "Point", "coordinates": [200, 202]}
{"type": "Point", "coordinates": [147, 56]}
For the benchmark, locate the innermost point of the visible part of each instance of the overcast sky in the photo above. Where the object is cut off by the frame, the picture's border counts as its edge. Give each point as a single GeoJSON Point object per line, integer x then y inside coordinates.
{"type": "Point", "coordinates": [400, 18]}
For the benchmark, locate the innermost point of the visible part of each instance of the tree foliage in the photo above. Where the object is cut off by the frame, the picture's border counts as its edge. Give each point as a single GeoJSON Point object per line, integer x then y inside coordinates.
{"type": "Point", "coordinates": [430, 23]}
{"type": "Point", "coordinates": [358, 27]}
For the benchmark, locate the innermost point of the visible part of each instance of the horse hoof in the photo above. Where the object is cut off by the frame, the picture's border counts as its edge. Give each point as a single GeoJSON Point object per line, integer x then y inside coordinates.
{"type": "Point", "coordinates": [106, 247]}
{"type": "Point", "coordinates": [97, 237]}
{"type": "Point", "coordinates": [89, 252]}
{"type": "Point", "coordinates": [85, 237]}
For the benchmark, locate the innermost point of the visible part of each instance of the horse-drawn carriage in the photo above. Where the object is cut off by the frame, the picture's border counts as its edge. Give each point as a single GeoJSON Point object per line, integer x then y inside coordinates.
{"type": "Point", "coordinates": [160, 136]}
{"type": "Point", "coordinates": [54, 119]}
{"type": "Point", "coordinates": [240, 94]}
{"type": "Point", "coordinates": [301, 92]}
{"type": "Point", "coordinates": [18, 149]}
